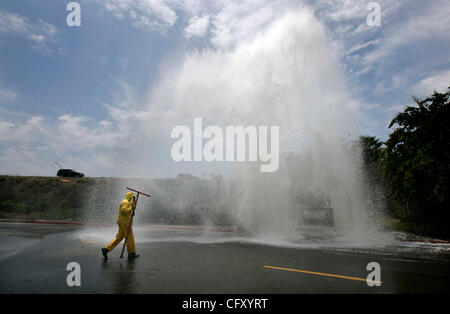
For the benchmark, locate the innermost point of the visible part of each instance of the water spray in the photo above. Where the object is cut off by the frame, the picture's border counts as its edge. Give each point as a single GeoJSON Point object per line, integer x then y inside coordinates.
{"type": "Point", "coordinates": [132, 215]}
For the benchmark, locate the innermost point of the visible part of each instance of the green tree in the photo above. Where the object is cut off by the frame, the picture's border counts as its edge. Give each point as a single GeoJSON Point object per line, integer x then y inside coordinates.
{"type": "Point", "coordinates": [371, 148]}
{"type": "Point", "coordinates": [374, 184]}
{"type": "Point", "coordinates": [416, 159]}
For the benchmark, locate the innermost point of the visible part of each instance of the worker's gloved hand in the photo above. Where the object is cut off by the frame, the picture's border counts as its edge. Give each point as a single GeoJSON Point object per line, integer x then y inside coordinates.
{"type": "Point", "coordinates": [133, 201]}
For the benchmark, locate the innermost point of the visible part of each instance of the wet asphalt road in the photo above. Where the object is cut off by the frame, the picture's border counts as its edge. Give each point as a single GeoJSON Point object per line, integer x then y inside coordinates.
{"type": "Point", "coordinates": [34, 257]}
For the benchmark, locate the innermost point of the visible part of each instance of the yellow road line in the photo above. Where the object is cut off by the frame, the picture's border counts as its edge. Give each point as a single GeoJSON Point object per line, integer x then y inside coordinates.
{"type": "Point", "coordinates": [322, 274]}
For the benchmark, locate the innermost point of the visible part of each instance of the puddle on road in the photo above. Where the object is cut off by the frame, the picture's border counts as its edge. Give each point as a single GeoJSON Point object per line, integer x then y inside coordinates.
{"type": "Point", "coordinates": [386, 243]}
{"type": "Point", "coordinates": [10, 245]}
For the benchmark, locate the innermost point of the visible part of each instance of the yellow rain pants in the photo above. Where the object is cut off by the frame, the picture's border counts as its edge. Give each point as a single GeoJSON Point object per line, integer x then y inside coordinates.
{"type": "Point", "coordinates": [123, 228]}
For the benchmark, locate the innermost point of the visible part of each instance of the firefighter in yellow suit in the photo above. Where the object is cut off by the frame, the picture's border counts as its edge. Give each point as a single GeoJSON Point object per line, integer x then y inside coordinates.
{"type": "Point", "coordinates": [123, 221]}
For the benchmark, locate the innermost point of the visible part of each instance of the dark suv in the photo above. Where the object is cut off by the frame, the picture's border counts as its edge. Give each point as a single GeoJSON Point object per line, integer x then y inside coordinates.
{"type": "Point", "coordinates": [69, 173]}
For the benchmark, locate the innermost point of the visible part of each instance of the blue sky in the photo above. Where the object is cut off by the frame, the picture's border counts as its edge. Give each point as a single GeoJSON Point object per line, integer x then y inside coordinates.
{"type": "Point", "coordinates": [72, 94]}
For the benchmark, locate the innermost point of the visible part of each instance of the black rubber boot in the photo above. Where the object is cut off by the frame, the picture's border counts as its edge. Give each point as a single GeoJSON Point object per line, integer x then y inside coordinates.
{"type": "Point", "coordinates": [105, 252]}
{"type": "Point", "coordinates": [133, 256]}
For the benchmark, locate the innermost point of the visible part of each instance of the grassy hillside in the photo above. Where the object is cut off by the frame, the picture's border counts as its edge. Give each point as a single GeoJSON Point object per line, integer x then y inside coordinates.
{"type": "Point", "coordinates": [42, 197]}
{"type": "Point", "coordinates": [174, 201]}
{"type": "Point", "coordinates": [55, 198]}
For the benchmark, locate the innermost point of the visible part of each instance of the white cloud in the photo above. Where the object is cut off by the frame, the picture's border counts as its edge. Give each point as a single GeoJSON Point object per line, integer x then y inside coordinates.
{"type": "Point", "coordinates": [394, 108]}
{"type": "Point", "coordinates": [430, 23]}
{"type": "Point", "coordinates": [346, 10]}
{"type": "Point", "coordinates": [39, 140]}
{"type": "Point", "coordinates": [148, 15]}
{"type": "Point", "coordinates": [363, 46]}
{"type": "Point", "coordinates": [343, 29]}
{"type": "Point", "coordinates": [229, 20]}
{"type": "Point", "coordinates": [388, 84]}
{"type": "Point", "coordinates": [105, 124]}
{"type": "Point", "coordinates": [5, 129]}
{"type": "Point", "coordinates": [40, 33]}
{"type": "Point", "coordinates": [239, 21]}
{"type": "Point", "coordinates": [30, 144]}
{"type": "Point", "coordinates": [7, 95]}
{"type": "Point", "coordinates": [159, 9]}
{"type": "Point", "coordinates": [12, 22]}
{"type": "Point", "coordinates": [49, 29]}
{"type": "Point", "coordinates": [426, 86]}
{"type": "Point", "coordinates": [198, 26]}
{"type": "Point", "coordinates": [85, 134]}
{"type": "Point", "coordinates": [409, 46]}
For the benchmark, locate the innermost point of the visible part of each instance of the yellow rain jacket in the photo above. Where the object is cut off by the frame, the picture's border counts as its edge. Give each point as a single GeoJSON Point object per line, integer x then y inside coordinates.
{"type": "Point", "coordinates": [126, 209]}
{"type": "Point", "coordinates": [123, 220]}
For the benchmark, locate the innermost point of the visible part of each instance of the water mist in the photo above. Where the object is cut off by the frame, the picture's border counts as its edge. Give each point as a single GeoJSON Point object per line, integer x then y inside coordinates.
{"type": "Point", "coordinates": [287, 76]}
